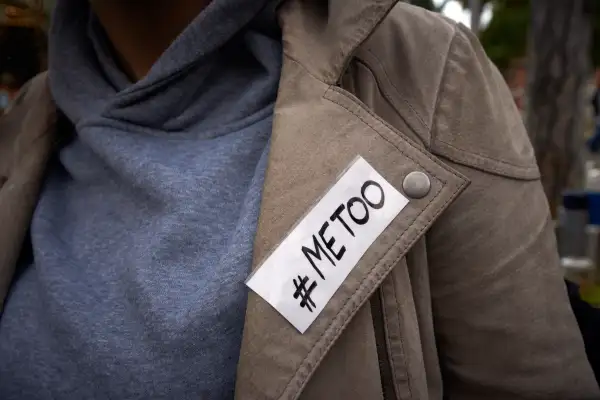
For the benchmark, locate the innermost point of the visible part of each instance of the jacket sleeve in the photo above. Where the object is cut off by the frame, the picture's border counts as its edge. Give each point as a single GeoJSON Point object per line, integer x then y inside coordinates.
{"type": "Point", "coordinates": [504, 326]}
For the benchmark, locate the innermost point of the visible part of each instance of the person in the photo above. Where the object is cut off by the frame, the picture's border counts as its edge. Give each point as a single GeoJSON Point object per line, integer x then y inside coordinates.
{"type": "Point", "coordinates": [174, 148]}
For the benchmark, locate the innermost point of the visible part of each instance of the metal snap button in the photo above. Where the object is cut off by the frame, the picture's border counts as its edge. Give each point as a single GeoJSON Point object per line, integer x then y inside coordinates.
{"type": "Point", "coordinates": [416, 185]}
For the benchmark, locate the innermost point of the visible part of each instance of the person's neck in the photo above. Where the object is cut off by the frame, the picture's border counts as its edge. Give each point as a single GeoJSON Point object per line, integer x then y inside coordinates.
{"type": "Point", "coordinates": [141, 32]}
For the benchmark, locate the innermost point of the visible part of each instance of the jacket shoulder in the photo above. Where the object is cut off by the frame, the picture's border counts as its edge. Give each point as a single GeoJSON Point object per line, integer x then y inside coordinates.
{"type": "Point", "coordinates": [406, 55]}
{"type": "Point", "coordinates": [32, 114]}
{"type": "Point", "coordinates": [437, 77]}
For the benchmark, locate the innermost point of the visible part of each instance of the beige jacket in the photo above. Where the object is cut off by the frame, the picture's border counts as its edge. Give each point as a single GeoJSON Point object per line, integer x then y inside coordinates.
{"type": "Point", "coordinates": [461, 297]}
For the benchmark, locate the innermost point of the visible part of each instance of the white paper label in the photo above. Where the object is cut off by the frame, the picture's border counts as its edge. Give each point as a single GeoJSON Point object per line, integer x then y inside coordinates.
{"type": "Point", "coordinates": [312, 262]}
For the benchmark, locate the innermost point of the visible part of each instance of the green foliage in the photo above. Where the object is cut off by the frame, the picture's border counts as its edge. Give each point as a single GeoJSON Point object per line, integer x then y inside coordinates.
{"type": "Point", "coordinates": [427, 4]}
{"type": "Point", "coordinates": [505, 37]}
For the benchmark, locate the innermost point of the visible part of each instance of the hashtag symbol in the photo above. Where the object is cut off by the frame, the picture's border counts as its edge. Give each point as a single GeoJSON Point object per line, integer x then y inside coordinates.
{"type": "Point", "coordinates": [304, 293]}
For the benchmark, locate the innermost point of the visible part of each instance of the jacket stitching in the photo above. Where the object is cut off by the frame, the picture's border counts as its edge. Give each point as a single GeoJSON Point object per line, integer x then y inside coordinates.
{"type": "Point", "coordinates": [408, 377]}
{"type": "Point", "coordinates": [393, 85]}
{"type": "Point", "coordinates": [385, 124]}
{"type": "Point", "coordinates": [373, 279]}
{"type": "Point", "coordinates": [369, 125]}
{"type": "Point", "coordinates": [362, 35]}
{"type": "Point", "coordinates": [345, 55]}
{"type": "Point", "coordinates": [530, 174]}
{"type": "Point", "coordinates": [440, 87]}
{"type": "Point", "coordinates": [360, 61]}
{"type": "Point", "coordinates": [387, 340]}
{"type": "Point", "coordinates": [392, 129]}
{"type": "Point", "coordinates": [309, 72]}
{"type": "Point", "coordinates": [443, 88]}
{"type": "Point", "coordinates": [474, 153]}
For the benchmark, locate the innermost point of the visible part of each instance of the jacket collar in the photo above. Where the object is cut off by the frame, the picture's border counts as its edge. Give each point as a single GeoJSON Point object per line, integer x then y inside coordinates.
{"type": "Point", "coordinates": [321, 35]}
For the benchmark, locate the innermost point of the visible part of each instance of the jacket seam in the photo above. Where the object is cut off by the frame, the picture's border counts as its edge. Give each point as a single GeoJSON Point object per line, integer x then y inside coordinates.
{"type": "Point", "coordinates": [387, 125]}
{"type": "Point", "coordinates": [434, 137]}
{"type": "Point", "coordinates": [386, 139]}
{"type": "Point", "coordinates": [308, 71]}
{"type": "Point", "coordinates": [386, 344]}
{"type": "Point", "coordinates": [374, 278]}
{"type": "Point", "coordinates": [387, 341]}
{"type": "Point", "coordinates": [519, 173]}
{"type": "Point", "coordinates": [388, 99]}
{"type": "Point", "coordinates": [342, 60]}
{"type": "Point", "coordinates": [364, 34]}
{"type": "Point", "coordinates": [402, 98]}
{"type": "Point", "coordinates": [455, 158]}
{"type": "Point", "coordinates": [408, 377]}
{"type": "Point", "coordinates": [440, 89]}
{"type": "Point", "coordinates": [477, 154]}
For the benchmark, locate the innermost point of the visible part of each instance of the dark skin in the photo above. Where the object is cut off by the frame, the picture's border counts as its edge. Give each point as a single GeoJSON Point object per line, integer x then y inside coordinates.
{"type": "Point", "coordinates": [141, 31]}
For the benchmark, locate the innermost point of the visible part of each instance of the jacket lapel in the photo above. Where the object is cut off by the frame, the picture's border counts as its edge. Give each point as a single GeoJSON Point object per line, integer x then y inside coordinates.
{"type": "Point", "coordinates": [318, 131]}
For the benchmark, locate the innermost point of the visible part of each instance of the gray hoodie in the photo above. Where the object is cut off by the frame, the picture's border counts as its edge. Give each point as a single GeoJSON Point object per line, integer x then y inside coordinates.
{"type": "Point", "coordinates": [143, 235]}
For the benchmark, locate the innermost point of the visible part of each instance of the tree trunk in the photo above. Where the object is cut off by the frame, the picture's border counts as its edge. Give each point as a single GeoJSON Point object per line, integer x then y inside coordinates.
{"type": "Point", "coordinates": [476, 8]}
{"type": "Point", "coordinates": [559, 69]}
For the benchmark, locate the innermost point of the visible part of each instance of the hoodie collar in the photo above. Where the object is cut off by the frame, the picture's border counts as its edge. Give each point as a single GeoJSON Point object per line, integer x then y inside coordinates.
{"type": "Point", "coordinates": [84, 77]}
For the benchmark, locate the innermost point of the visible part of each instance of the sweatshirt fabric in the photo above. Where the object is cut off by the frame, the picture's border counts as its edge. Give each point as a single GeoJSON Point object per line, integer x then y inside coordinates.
{"type": "Point", "coordinates": [143, 235]}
